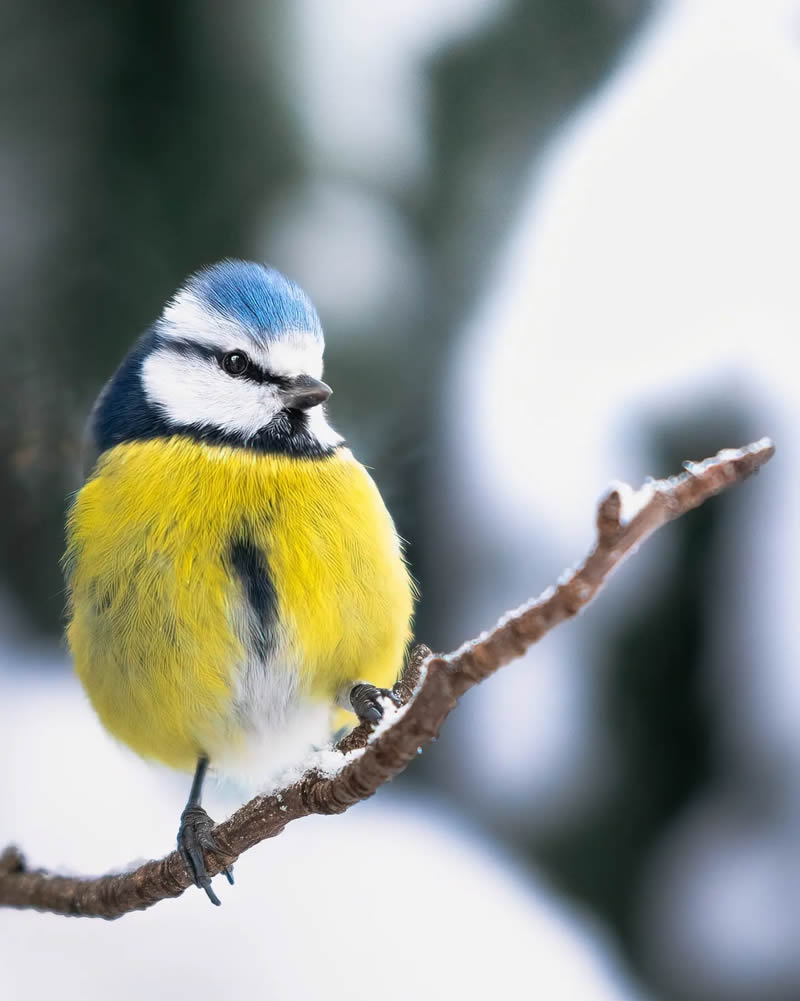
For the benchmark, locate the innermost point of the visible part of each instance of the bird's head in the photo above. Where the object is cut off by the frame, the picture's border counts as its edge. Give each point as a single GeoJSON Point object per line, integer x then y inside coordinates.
{"type": "Point", "coordinates": [235, 357]}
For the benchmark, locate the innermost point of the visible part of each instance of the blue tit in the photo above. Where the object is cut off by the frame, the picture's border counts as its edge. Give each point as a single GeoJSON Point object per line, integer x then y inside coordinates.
{"type": "Point", "coordinates": [234, 578]}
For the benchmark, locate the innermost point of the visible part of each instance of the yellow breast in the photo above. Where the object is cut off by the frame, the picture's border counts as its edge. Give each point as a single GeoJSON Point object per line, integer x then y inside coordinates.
{"type": "Point", "coordinates": [156, 605]}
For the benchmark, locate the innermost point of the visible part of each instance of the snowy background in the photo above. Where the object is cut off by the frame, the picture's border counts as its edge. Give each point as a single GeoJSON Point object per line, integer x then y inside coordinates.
{"type": "Point", "coordinates": [553, 244]}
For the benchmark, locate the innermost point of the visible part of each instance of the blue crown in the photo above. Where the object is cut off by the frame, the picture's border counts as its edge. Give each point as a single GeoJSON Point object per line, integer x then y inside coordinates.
{"type": "Point", "coordinates": [259, 298]}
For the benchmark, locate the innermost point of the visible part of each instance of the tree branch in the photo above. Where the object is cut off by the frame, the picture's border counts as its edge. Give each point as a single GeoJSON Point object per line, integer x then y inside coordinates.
{"type": "Point", "coordinates": [428, 690]}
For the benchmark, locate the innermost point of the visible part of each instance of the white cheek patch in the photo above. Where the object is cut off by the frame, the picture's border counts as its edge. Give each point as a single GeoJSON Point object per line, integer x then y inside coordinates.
{"type": "Point", "coordinates": [320, 429]}
{"type": "Point", "coordinates": [193, 390]}
{"type": "Point", "coordinates": [197, 391]}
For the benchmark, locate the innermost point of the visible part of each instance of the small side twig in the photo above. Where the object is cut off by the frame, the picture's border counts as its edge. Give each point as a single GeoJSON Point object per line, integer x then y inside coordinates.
{"type": "Point", "coordinates": [428, 690]}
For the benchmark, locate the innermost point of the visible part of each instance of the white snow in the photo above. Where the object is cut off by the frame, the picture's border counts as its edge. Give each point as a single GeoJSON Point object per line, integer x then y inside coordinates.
{"type": "Point", "coordinates": [327, 761]}
{"type": "Point", "coordinates": [394, 899]}
{"type": "Point", "coordinates": [391, 713]}
{"type": "Point", "coordinates": [632, 502]}
{"type": "Point", "coordinates": [652, 274]}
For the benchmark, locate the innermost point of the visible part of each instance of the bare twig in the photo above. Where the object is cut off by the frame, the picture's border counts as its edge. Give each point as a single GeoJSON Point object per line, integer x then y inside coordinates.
{"type": "Point", "coordinates": [428, 690]}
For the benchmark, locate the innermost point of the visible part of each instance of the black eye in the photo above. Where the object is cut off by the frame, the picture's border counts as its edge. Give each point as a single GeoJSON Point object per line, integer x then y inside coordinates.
{"type": "Point", "coordinates": [235, 362]}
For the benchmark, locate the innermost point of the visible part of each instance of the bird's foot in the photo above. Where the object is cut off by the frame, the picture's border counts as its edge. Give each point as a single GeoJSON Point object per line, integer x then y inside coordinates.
{"type": "Point", "coordinates": [366, 702]}
{"type": "Point", "coordinates": [194, 840]}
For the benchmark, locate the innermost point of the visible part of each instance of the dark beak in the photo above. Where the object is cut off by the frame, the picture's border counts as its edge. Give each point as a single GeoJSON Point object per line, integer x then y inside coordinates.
{"type": "Point", "coordinates": [303, 392]}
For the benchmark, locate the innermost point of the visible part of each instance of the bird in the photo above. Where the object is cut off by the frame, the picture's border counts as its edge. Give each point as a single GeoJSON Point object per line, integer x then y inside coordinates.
{"type": "Point", "coordinates": [236, 587]}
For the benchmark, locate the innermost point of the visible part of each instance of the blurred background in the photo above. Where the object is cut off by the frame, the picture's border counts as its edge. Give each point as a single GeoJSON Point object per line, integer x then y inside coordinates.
{"type": "Point", "coordinates": [552, 243]}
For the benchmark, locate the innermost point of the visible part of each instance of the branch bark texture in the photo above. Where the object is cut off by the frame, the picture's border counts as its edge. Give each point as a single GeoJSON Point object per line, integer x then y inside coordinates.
{"type": "Point", "coordinates": [428, 690]}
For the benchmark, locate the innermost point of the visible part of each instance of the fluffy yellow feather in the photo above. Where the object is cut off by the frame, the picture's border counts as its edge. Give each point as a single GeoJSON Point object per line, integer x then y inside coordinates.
{"type": "Point", "coordinates": [155, 612]}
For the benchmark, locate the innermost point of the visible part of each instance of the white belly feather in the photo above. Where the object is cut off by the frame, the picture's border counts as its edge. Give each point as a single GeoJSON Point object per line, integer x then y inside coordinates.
{"type": "Point", "coordinates": [275, 723]}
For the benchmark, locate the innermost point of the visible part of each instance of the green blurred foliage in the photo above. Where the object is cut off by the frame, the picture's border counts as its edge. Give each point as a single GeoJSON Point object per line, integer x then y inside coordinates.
{"type": "Point", "coordinates": [140, 135]}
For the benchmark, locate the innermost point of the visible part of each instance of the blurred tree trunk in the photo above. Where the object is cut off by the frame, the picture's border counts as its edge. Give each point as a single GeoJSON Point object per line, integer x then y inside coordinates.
{"type": "Point", "coordinates": [497, 99]}
{"type": "Point", "coordinates": [657, 704]}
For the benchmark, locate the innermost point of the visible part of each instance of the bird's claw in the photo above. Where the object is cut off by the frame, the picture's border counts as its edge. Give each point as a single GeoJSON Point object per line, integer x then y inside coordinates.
{"type": "Point", "coordinates": [366, 702]}
{"type": "Point", "coordinates": [194, 840]}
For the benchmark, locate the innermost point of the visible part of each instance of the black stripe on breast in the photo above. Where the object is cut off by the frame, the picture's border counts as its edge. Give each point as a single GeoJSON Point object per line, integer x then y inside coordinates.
{"type": "Point", "coordinates": [250, 565]}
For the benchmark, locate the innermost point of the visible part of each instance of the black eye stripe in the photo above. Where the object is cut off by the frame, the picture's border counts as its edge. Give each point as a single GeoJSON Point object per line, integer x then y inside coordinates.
{"type": "Point", "coordinates": [193, 349]}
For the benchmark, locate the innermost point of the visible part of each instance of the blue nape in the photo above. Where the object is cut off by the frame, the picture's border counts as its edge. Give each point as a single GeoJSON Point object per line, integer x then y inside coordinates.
{"type": "Point", "coordinates": [260, 298]}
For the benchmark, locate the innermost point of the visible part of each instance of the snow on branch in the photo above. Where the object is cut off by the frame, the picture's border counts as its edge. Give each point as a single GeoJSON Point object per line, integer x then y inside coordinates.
{"type": "Point", "coordinates": [428, 690]}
